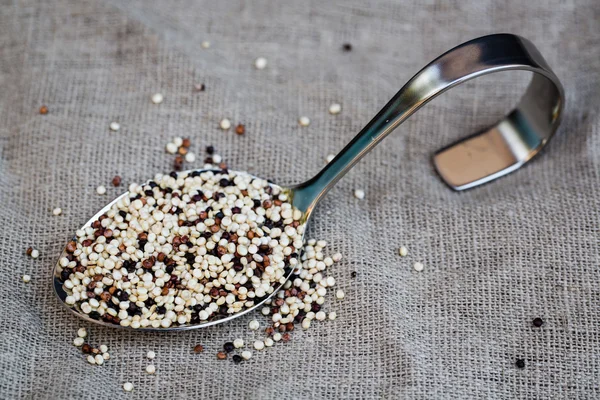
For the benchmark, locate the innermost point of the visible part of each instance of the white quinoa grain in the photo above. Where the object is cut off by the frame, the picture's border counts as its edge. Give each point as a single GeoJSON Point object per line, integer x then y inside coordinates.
{"type": "Point", "coordinates": [178, 141]}
{"type": "Point", "coordinates": [337, 257]}
{"type": "Point", "coordinates": [35, 253]}
{"type": "Point", "coordinates": [114, 126]}
{"type": "Point", "coordinates": [101, 189]}
{"type": "Point", "coordinates": [246, 355]}
{"type": "Point", "coordinates": [26, 278]}
{"type": "Point", "coordinates": [340, 294]}
{"type": "Point", "coordinates": [259, 345]}
{"type": "Point", "coordinates": [268, 342]}
{"type": "Point", "coordinates": [171, 148]}
{"type": "Point", "coordinates": [106, 356]}
{"type": "Point", "coordinates": [335, 108]}
{"type": "Point", "coordinates": [78, 341]}
{"type": "Point", "coordinates": [304, 121]}
{"type": "Point", "coordinates": [103, 348]}
{"type": "Point", "coordinates": [330, 157]}
{"type": "Point", "coordinates": [57, 211]}
{"type": "Point", "coordinates": [418, 266]}
{"type": "Point", "coordinates": [99, 359]}
{"type": "Point", "coordinates": [332, 315]}
{"type": "Point", "coordinates": [238, 343]}
{"type": "Point", "coordinates": [225, 124]}
{"type": "Point", "coordinates": [128, 386]}
{"type": "Point", "coordinates": [91, 359]}
{"type": "Point", "coordinates": [260, 63]}
{"type": "Point", "coordinates": [205, 44]}
{"type": "Point", "coordinates": [254, 325]}
{"type": "Point", "coordinates": [320, 316]}
{"type": "Point", "coordinates": [190, 157]}
{"type": "Point", "coordinates": [151, 369]}
{"type": "Point", "coordinates": [151, 355]}
{"type": "Point", "coordinates": [82, 332]}
{"type": "Point", "coordinates": [403, 251]}
{"type": "Point", "coordinates": [305, 323]}
{"type": "Point", "coordinates": [157, 98]}
{"type": "Point", "coordinates": [359, 194]}
{"type": "Point", "coordinates": [277, 336]}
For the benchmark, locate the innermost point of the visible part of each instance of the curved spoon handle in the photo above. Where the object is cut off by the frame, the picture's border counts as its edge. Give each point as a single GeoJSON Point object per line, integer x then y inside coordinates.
{"type": "Point", "coordinates": [481, 157]}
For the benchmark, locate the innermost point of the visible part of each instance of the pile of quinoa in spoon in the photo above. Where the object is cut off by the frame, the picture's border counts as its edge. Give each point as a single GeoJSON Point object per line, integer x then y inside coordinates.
{"type": "Point", "coordinates": [183, 248]}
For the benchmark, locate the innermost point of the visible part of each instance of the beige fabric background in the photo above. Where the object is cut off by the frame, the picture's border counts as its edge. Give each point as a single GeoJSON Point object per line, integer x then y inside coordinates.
{"type": "Point", "coordinates": [495, 257]}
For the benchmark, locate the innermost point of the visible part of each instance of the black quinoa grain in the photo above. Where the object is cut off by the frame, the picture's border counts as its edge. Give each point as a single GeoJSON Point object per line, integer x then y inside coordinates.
{"type": "Point", "coordinates": [347, 47]}
{"type": "Point", "coordinates": [537, 322]}
{"type": "Point", "coordinates": [65, 274]}
{"type": "Point", "coordinates": [228, 347]}
{"type": "Point", "coordinates": [237, 359]}
{"type": "Point", "coordinates": [520, 363]}
{"type": "Point", "coordinates": [210, 149]}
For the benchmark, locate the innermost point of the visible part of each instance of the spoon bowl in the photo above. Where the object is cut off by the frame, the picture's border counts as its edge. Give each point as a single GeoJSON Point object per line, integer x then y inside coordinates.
{"type": "Point", "coordinates": [470, 162]}
{"type": "Point", "coordinates": [214, 319]}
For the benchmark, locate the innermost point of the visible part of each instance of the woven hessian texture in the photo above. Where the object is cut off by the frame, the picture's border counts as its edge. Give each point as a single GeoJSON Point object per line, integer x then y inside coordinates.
{"type": "Point", "coordinates": [495, 257]}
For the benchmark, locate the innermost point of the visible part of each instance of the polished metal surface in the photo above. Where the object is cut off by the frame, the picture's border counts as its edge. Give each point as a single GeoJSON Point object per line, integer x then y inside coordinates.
{"type": "Point", "coordinates": [479, 158]}
{"type": "Point", "coordinates": [470, 162]}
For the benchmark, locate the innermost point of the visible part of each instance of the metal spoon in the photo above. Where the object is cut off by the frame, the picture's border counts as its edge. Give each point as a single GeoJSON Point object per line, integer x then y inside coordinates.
{"type": "Point", "coordinates": [468, 163]}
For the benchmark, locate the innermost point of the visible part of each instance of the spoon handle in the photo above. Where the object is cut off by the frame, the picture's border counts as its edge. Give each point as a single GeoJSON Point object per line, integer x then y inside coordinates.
{"type": "Point", "coordinates": [479, 158]}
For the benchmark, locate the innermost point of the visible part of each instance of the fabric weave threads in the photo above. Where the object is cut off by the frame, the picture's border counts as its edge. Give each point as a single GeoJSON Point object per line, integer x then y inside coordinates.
{"type": "Point", "coordinates": [495, 257]}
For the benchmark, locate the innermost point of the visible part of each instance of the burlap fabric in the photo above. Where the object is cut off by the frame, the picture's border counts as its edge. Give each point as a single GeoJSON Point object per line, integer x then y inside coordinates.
{"type": "Point", "coordinates": [495, 257]}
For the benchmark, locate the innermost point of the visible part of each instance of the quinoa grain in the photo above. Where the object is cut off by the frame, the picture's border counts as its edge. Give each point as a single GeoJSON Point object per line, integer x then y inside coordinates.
{"type": "Point", "coordinates": [198, 348]}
